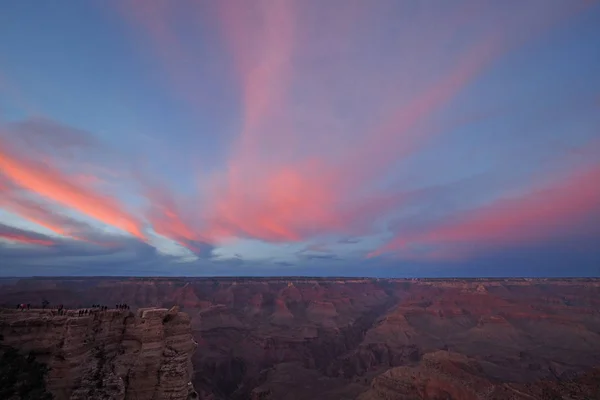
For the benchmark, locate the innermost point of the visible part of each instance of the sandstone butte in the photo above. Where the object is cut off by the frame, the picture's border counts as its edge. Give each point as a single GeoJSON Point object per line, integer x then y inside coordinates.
{"type": "Point", "coordinates": [108, 355]}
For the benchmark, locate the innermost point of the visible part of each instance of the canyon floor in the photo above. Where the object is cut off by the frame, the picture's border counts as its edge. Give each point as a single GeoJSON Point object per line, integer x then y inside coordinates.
{"type": "Point", "coordinates": [368, 339]}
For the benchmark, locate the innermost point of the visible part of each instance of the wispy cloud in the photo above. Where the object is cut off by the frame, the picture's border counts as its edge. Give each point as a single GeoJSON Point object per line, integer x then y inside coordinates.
{"type": "Point", "coordinates": [40, 215]}
{"type": "Point", "coordinates": [274, 190]}
{"type": "Point", "coordinates": [349, 240]}
{"type": "Point", "coordinates": [48, 182]}
{"type": "Point", "coordinates": [21, 236]}
{"type": "Point", "coordinates": [563, 209]}
{"type": "Point", "coordinates": [157, 22]}
{"type": "Point", "coordinates": [330, 124]}
{"type": "Point", "coordinates": [167, 219]}
{"type": "Point", "coordinates": [262, 35]}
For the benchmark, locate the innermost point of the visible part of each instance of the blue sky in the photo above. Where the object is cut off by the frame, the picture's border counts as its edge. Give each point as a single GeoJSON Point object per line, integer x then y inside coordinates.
{"type": "Point", "coordinates": [398, 138]}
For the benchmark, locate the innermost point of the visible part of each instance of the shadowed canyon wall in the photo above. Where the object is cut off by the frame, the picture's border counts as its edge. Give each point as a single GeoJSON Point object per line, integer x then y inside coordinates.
{"type": "Point", "coordinates": [112, 354]}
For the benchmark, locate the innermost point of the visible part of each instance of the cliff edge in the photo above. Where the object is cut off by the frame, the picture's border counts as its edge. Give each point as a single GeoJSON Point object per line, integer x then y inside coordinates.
{"type": "Point", "coordinates": [110, 355]}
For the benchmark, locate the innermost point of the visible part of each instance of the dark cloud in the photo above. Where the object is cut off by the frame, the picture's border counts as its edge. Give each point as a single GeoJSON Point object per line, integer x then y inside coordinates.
{"type": "Point", "coordinates": [44, 137]}
{"type": "Point", "coordinates": [349, 240]}
{"type": "Point", "coordinates": [116, 253]}
{"type": "Point", "coordinates": [25, 236]}
{"type": "Point", "coordinates": [321, 257]}
{"type": "Point", "coordinates": [315, 248]}
{"type": "Point", "coordinates": [200, 249]}
{"type": "Point", "coordinates": [38, 131]}
{"type": "Point", "coordinates": [138, 259]}
{"type": "Point", "coordinates": [65, 146]}
{"type": "Point", "coordinates": [284, 264]}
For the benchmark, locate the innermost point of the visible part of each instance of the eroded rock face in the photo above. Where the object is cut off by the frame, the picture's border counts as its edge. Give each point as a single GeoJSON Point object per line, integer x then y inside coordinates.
{"type": "Point", "coordinates": [452, 376]}
{"type": "Point", "coordinates": [111, 355]}
{"type": "Point", "coordinates": [439, 375]}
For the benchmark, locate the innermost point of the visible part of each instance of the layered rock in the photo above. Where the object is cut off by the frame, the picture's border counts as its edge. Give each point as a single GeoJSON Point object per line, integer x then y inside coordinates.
{"type": "Point", "coordinates": [452, 376]}
{"type": "Point", "coordinates": [111, 355]}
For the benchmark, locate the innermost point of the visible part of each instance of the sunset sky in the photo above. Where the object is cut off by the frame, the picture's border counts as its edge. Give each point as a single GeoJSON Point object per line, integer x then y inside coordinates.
{"type": "Point", "coordinates": [274, 137]}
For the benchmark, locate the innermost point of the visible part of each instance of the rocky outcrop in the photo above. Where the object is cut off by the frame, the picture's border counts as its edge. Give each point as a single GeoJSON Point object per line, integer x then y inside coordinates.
{"type": "Point", "coordinates": [439, 375]}
{"type": "Point", "coordinates": [111, 355]}
{"type": "Point", "coordinates": [453, 376]}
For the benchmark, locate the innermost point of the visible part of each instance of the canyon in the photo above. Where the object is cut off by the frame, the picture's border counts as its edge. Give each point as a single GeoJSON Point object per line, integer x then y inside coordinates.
{"type": "Point", "coordinates": [320, 338]}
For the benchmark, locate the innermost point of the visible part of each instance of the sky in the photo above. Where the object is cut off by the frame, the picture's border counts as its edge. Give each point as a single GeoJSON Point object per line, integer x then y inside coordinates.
{"type": "Point", "coordinates": [392, 138]}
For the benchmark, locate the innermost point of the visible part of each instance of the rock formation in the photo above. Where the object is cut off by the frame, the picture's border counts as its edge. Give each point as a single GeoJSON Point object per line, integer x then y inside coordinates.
{"type": "Point", "coordinates": [334, 338]}
{"type": "Point", "coordinates": [110, 355]}
{"type": "Point", "coordinates": [453, 376]}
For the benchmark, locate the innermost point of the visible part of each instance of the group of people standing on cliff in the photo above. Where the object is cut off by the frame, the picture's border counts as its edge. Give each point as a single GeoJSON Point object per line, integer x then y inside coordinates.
{"type": "Point", "coordinates": [60, 310]}
{"type": "Point", "coordinates": [99, 307]}
{"type": "Point", "coordinates": [27, 306]}
{"type": "Point", "coordinates": [95, 308]}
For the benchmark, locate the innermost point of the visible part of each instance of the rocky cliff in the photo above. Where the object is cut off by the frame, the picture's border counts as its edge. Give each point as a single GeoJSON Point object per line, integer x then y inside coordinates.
{"type": "Point", "coordinates": [111, 355]}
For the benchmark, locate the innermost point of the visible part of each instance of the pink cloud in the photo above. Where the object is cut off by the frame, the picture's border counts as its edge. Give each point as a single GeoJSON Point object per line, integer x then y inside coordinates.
{"type": "Point", "coordinates": [167, 218]}
{"type": "Point", "coordinates": [35, 213]}
{"type": "Point", "coordinates": [286, 205]}
{"type": "Point", "coordinates": [261, 36]}
{"type": "Point", "coordinates": [46, 181]}
{"type": "Point", "coordinates": [562, 207]}
{"type": "Point", "coordinates": [25, 239]}
{"type": "Point", "coordinates": [279, 187]}
{"type": "Point", "coordinates": [274, 196]}
{"type": "Point", "coordinates": [286, 182]}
